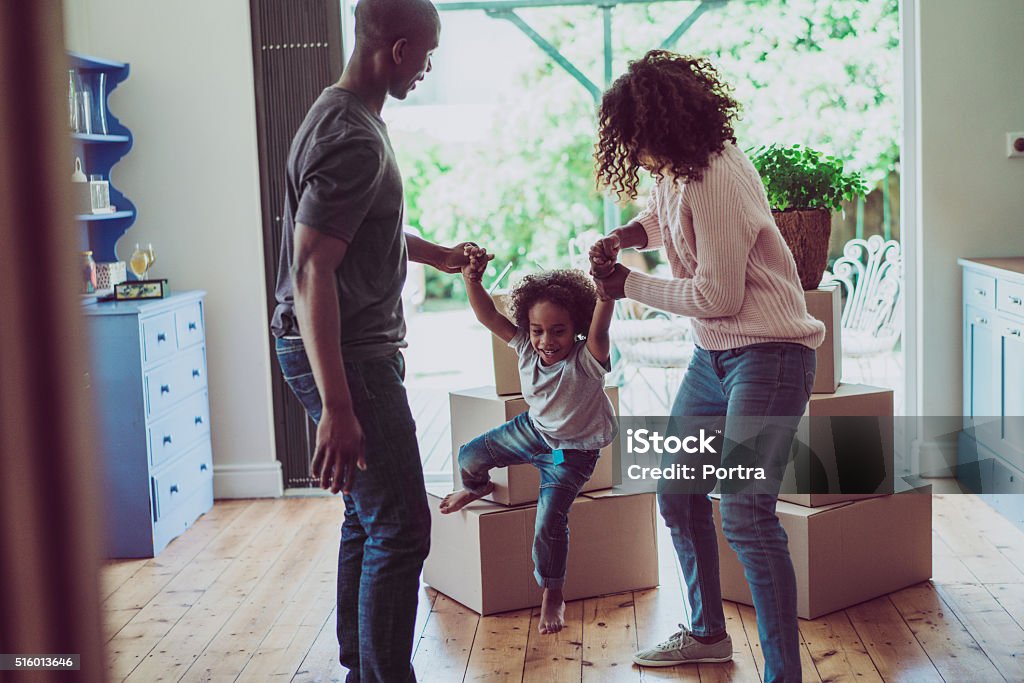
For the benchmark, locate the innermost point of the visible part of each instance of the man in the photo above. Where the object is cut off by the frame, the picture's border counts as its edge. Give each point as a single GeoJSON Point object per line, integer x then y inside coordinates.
{"type": "Point", "coordinates": [343, 265]}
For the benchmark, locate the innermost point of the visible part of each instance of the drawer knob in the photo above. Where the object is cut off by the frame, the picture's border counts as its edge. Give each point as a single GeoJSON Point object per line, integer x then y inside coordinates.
{"type": "Point", "coordinates": [161, 337]}
{"type": "Point", "coordinates": [199, 420]}
{"type": "Point", "coordinates": [981, 321]}
{"type": "Point", "coordinates": [1016, 300]}
{"type": "Point", "coordinates": [192, 327]}
{"type": "Point", "coordinates": [167, 440]}
{"type": "Point", "coordinates": [1013, 333]}
{"type": "Point", "coordinates": [980, 292]}
{"type": "Point", "coordinates": [202, 468]}
{"type": "Point", "coordinates": [165, 389]}
{"type": "Point", "coordinates": [195, 372]}
{"type": "Point", "coordinates": [174, 488]}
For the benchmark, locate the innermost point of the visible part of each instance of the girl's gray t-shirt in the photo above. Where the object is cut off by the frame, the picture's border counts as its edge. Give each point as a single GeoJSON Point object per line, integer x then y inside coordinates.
{"type": "Point", "coordinates": [567, 400]}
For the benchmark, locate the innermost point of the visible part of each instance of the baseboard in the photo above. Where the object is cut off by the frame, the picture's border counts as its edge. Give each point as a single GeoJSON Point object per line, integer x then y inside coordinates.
{"type": "Point", "coordinates": [263, 480]}
{"type": "Point", "coordinates": [934, 458]}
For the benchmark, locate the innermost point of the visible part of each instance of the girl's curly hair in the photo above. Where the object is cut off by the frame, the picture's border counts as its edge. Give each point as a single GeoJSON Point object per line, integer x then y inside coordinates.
{"type": "Point", "coordinates": [570, 289]}
{"type": "Point", "coordinates": [670, 107]}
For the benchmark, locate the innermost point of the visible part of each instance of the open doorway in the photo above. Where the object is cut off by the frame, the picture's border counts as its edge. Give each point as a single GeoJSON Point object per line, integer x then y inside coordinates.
{"type": "Point", "coordinates": [496, 147]}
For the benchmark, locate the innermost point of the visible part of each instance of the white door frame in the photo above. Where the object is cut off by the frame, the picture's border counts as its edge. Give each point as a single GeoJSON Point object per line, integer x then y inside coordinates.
{"type": "Point", "coordinates": [910, 216]}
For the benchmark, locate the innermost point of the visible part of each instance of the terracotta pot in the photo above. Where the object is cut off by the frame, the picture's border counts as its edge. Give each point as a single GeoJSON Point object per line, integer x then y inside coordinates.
{"type": "Point", "coordinates": [807, 233]}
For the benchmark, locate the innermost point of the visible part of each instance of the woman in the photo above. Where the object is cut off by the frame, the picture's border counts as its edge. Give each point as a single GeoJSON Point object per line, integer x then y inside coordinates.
{"type": "Point", "coordinates": [733, 274]}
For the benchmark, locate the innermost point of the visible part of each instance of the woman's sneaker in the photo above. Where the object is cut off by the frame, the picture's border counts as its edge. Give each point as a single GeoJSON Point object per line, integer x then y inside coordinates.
{"type": "Point", "coordinates": [683, 648]}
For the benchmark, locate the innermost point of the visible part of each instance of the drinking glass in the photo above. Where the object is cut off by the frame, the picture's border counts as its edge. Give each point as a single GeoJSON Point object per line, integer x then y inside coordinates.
{"type": "Point", "coordinates": [139, 262]}
{"type": "Point", "coordinates": [101, 103]}
{"type": "Point", "coordinates": [151, 256]}
{"type": "Point", "coordinates": [85, 111]}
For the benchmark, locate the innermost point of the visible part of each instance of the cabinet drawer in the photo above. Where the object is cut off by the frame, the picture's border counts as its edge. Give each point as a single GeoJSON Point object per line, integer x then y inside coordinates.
{"type": "Point", "coordinates": [1011, 298]}
{"type": "Point", "coordinates": [188, 322]}
{"type": "Point", "coordinates": [158, 337]}
{"type": "Point", "coordinates": [168, 384]}
{"type": "Point", "coordinates": [172, 435]}
{"type": "Point", "coordinates": [182, 480]}
{"type": "Point", "coordinates": [1012, 329]}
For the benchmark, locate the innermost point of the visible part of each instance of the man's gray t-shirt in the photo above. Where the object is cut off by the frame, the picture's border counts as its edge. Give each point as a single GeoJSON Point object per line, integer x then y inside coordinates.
{"type": "Point", "coordinates": [567, 400]}
{"type": "Point", "coordinates": [343, 180]}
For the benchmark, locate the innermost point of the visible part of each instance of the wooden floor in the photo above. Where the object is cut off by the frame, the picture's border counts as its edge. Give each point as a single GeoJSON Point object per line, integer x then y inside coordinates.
{"type": "Point", "coordinates": [248, 594]}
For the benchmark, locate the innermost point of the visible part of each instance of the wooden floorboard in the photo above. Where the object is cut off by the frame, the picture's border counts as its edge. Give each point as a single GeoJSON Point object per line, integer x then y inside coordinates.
{"type": "Point", "coordinates": [499, 648]}
{"type": "Point", "coordinates": [556, 657]}
{"type": "Point", "coordinates": [890, 643]}
{"type": "Point", "coordinates": [1000, 637]}
{"type": "Point", "coordinates": [837, 652]}
{"type": "Point", "coordinates": [954, 653]}
{"type": "Point", "coordinates": [443, 652]}
{"type": "Point", "coordinates": [186, 641]}
{"type": "Point", "coordinates": [248, 594]}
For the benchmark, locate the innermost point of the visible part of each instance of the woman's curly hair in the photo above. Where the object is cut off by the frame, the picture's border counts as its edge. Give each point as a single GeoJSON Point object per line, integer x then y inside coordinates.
{"type": "Point", "coordinates": [671, 107]}
{"type": "Point", "coordinates": [570, 289]}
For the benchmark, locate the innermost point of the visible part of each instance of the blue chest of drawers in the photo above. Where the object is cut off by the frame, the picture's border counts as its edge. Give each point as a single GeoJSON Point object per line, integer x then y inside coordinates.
{"type": "Point", "coordinates": [991, 450]}
{"type": "Point", "coordinates": [149, 392]}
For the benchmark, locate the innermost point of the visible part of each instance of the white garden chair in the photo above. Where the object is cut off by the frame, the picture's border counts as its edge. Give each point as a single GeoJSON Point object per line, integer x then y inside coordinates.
{"type": "Point", "coordinates": [871, 274]}
{"type": "Point", "coordinates": [644, 338]}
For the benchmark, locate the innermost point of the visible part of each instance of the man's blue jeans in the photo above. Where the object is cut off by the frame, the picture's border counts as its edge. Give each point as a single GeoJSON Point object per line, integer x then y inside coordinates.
{"type": "Point", "coordinates": [517, 442]}
{"type": "Point", "coordinates": [758, 381]}
{"type": "Point", "coordinates": [385, 535]}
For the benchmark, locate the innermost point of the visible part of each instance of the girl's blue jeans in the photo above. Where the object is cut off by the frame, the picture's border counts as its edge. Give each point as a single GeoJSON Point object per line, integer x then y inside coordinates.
{"type": "Point", "coordinates": [516, 442]}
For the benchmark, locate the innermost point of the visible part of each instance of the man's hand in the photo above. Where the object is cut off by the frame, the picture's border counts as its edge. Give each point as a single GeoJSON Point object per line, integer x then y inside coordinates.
{"type": "Point", "coordinates": [340, 448]}
{"type": "Point", "coordinates": [456, 258]}
{"type": "Point", "coordinates": [478, 259]}
{"type": "Point", "coordinates": [603, 255]}
{"type": "Point", "coordinates": [613, 286]}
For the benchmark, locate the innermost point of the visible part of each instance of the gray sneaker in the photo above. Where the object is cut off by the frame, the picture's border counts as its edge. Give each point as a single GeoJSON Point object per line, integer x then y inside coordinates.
{"type": "Point", "coordinates": [682, 648]}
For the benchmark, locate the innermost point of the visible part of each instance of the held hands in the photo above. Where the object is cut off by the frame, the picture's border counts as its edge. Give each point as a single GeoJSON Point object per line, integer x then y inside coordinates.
{"type": "Point", "coordinates": [609, 276]}
{"type": "Point", "coordinates": [603, 255]}
{"type": "Point", "coordinates": [340, 448]}
{"type": "Point", "coordinates": [613, 285]}
{"type": "Point", "coordinates": [477, 260]}
{"type": "Point", "coordinates": [456, 258]}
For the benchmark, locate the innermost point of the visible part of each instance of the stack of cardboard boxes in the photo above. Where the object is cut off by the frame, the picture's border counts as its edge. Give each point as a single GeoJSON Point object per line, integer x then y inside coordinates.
{"type": "Point", "coordinates": [481, 555]}
{"type": "Point", "coordinates": [847, 545]}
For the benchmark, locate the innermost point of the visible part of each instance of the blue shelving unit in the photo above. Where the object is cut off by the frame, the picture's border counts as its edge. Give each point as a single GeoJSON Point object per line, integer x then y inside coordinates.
{"type": "Point", "coordinates": [99, 154]}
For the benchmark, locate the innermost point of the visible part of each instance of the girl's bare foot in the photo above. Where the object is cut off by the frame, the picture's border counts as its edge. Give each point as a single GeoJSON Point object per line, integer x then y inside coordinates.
{"type": "Point", "coordinates": [552, 612]}
{"type": "Point", "coordinates": [454, 502]}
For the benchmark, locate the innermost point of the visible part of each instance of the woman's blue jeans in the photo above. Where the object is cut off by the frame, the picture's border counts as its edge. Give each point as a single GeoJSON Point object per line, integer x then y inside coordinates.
{"type": "Point", "coordinates": [738, 386]}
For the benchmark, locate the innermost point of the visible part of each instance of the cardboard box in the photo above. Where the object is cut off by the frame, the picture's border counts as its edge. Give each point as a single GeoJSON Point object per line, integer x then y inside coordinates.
{"type": "Point", "coordinates": [475, 411]}
{"type": "Point", "coordinates": [845, 454]}
{"type": "Point", "coordinates": [481, 556]}
{"type": "Point", "coordinates": [846, 553]}
{"type": "Point", "coordinates": [826, 304]}
{"type": "Point", "coordinates": [506, 361]}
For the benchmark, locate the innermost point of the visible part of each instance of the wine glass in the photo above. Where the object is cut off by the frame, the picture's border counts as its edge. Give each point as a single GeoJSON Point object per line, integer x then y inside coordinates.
{"type": "Point", "coordinates": [151, 256]}
{"type": "Point", "coordinates": [139, 262]}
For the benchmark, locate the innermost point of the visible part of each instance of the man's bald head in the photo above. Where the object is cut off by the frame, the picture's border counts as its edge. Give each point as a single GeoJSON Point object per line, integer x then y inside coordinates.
{"type": "Point", "coordinates": [380, 23]}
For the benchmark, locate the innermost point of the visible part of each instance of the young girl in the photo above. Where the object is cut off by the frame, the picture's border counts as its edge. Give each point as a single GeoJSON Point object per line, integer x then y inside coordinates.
{"type": "Point", "coordinates": [733, 274]}
{"type": "Point", "coordinates": [561, 336]}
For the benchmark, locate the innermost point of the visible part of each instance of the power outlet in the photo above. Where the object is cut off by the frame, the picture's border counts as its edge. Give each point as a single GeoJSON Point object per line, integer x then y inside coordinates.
{"type": "Point", "coordinates": [1015, 145]}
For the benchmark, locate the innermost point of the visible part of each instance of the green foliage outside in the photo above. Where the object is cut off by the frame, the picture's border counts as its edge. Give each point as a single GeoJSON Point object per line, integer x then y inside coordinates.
{"type": "Point", "coordinates": [820, 73]}
{"type": "Point", "coordinates": [798, 177]}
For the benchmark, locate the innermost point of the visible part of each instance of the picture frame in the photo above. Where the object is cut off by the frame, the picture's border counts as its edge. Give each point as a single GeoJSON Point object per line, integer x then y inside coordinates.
{"type": "Point", "coordinates": [134, 290]}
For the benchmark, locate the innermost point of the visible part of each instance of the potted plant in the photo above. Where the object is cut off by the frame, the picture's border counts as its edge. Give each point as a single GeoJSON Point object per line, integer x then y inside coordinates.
{"type": "Point", "coordinates": [804, 186]}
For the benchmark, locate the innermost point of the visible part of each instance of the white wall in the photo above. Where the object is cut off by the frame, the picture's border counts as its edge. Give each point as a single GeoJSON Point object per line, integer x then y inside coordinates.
{"type": "Point", "coordinates": [971, 63]}
{"type": "Point", "coordinates": [193, 174]}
